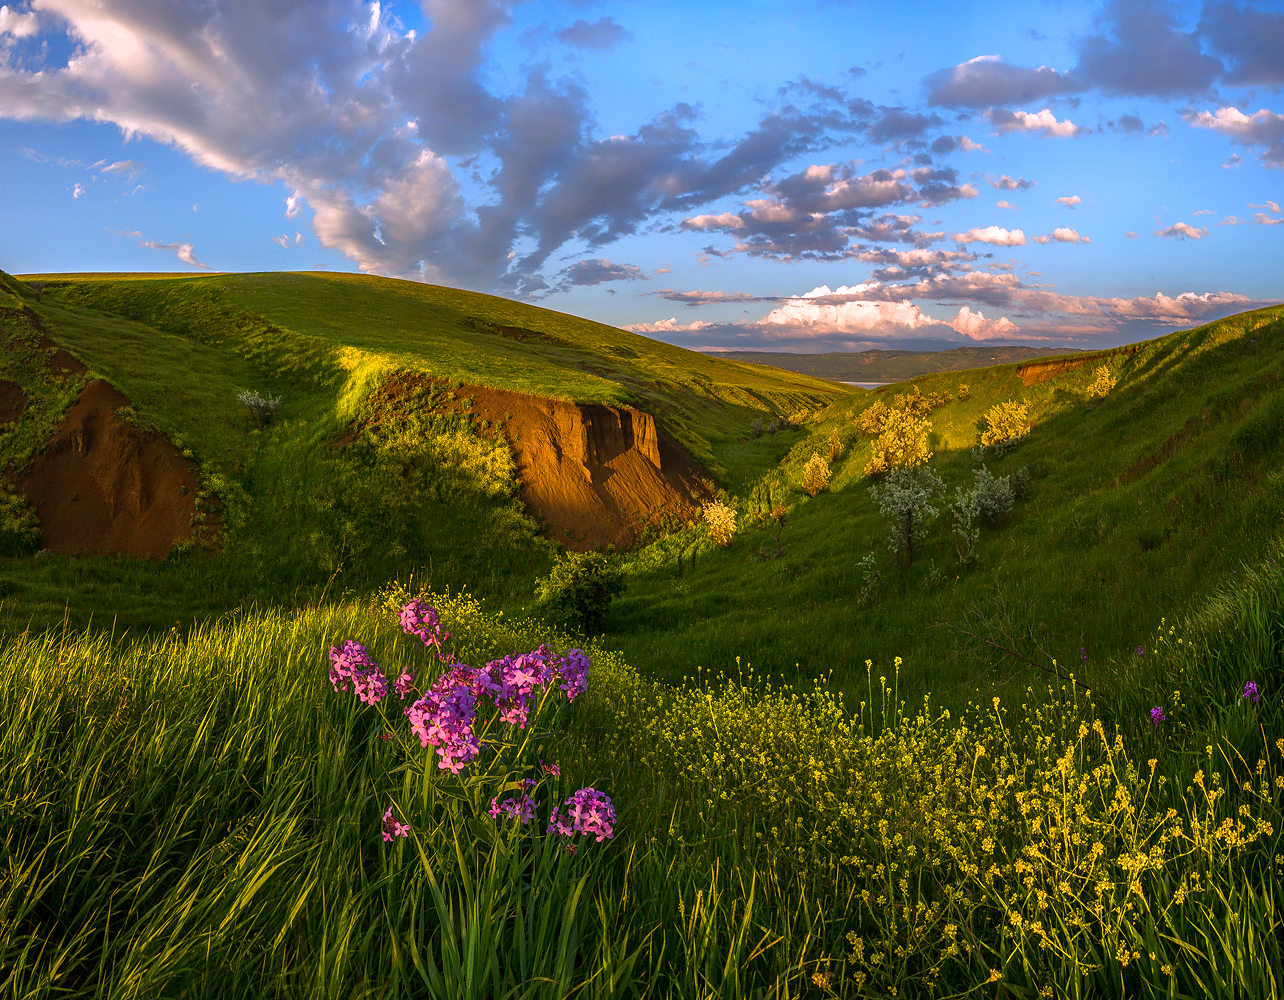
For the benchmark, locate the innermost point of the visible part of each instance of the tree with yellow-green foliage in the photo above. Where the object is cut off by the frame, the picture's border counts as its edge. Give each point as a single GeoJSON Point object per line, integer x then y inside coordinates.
{"type": "Point", "coordinates": [870, 420]}
{"type": "Point", "coordinates": [815, 474]}
{"type": "Point", "coordinates": [902, 443]}
{"type": "Point", "coordinates": [1005, 424]}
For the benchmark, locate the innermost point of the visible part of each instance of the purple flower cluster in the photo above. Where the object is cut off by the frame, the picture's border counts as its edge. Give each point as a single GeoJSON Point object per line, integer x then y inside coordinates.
{"type": "Point", "coordinates": [443, 718]}
{"type": "Point", "coordinates": [392, 828]}
{"type": "Point", "coordinates": [404, 684]}
{"type": "Point", "coordinates": [1251, 693]}
{"type": "Point", "coordinates": [1157, 716]}
{"type": "Point", "coordinates": [420, 618]}
{"type": "Point", "coordinates": [351, 664]}
{"type": "Point", "coordinates": [521, 808]}
{"type": "Point", "coordinates": [588, 811]}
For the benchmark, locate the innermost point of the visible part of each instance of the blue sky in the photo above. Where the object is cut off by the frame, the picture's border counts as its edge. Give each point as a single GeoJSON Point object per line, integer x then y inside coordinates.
{"type": "Point", "coordinates": [819, 175]}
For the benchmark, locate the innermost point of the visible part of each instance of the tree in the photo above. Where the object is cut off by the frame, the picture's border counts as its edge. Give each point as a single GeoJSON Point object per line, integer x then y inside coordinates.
{"type": "Point", "coordinates": [906, 499]}
{"type": "Point", "coordinates": [902, 443]}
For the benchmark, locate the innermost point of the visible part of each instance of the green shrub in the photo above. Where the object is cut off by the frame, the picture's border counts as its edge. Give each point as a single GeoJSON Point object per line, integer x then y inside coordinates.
{"type": "Point", "coordinates": [905, 498]}
{"type": "Point", "coordinates": [1005, 424]}
{"type": "Point", "coordinates": [19, 529]}
{"type": "Point", "coordinates": [578, 590]}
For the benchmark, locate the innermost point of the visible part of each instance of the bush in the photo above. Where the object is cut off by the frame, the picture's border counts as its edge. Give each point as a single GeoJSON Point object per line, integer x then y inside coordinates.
{"type": "Point", "coordinates": [870, 420]}
{"type": "Point", "coordinates": [815, 474]}
{"type": "Point", "coordinates": [579, 590]}
{"type": "Point", "coordinates": [261, 408]}
{"type": "Point", "coordinates": [905, 498]}
{"type": "Point", "coordinates": [1005, 424]}
{"type": "Point", "coordinates": [756, 428]}
{"type": "Point", "coordinates": [902, 444]}
{"type": "Point", "coordinates": [835, 447]}
{"type": "Point", "coordinates": [988, 500]}
{"type": "Point", "coordinates": [1105, 381]}
{"type": "Point", "coordinates": [964, 390]}
{"type": "Point", "coordinates": [19, 528]}
{"type": "Point", "coordinates": [721, 522]}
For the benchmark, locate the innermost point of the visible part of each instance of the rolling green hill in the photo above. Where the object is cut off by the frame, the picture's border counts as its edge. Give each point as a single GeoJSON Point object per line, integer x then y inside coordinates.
{"type": "Point", "coordinates": [426, 493]}
{"type": "Point", "coordinates": [893, 366]}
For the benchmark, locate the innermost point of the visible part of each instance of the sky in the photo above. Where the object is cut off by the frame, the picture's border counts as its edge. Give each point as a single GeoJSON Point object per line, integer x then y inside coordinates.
{"type": "Point", "coordinates": [804, 176]}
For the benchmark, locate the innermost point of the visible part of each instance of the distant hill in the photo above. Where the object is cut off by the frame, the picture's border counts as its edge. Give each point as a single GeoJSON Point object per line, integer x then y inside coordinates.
{"type": "Point", "coordinates": [892, 366]}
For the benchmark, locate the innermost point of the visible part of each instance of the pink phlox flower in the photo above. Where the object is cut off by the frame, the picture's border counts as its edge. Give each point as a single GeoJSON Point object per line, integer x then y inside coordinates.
{"type": "Point", "coordinates": [553, 769]}
{"type": "Point", "coordinates": [588, 812]}
{"type": "Point", "coordinates": [573, 666]}
{"type": "Point", "coordinates": [1251, 693]}
{"type": "Point", "coordinates": [444, 717]}
{"type": "Point", "coordinates": [521, 807]}
{"type": "Point", "coordinates": [1157, 716]}
{"type": "Point", "coordinates": [351, 666]}
{"type": "Point", "coordinates": [392, 828]}
{"type": "Point", "coordinates": [404, 684]}
{"type": "Point", "coordinates": [419, 618]}
{"type": "Point", "coordinates": [512, 682]}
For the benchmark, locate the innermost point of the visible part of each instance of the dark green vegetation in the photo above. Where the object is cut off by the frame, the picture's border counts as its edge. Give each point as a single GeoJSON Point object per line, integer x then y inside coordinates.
{"type": "Point", "coordinates": [893, 366]}
{"type": "Point", "coordinates": [421, 494]}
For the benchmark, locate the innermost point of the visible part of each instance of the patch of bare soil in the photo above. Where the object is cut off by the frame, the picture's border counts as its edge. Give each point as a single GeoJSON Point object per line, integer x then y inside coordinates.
{"type": "Point", "coordinates": [102, 485]}
{"type": "Point", "coordinates": [61, 363]}
{"type": "Point", "coordinates": [12, 401]}
{"type": "Point", "coordinates": [1044, 371]}
{"type": "Point", "coordinates": [596, 475]}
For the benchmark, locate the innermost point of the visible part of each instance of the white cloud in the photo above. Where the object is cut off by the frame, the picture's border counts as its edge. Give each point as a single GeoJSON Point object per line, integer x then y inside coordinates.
{"type": "Point", "coordinates": [1071, 201]}
{"type": "Point", "coordinates": [1004, 204]}
{"type": "Point", "coordinates": [1183, 230]}
{"type": "Point", "coordinates": [1262, 128]}
{"type": "Point", "coordinates": [1131, 235]}
{"type": "Point", "coordinates": [994, 235]}
{"type": "Point", "coordinates": [1006, 183]}
{"type": "Point", "coordinates": [670, 325]}
{"type": "Point", "coordinates": [1062, 235]}
{"type": "Point", "coordinates": [975, 325]}
{"type": "Point", "coordinates": [292, 204]}
{"type": "Point", "coordinates": [714, 223]}
{"type": "Point", "coordinates": [77, 191]}
{"type": "Point", "coordinates": [968, 146]}
{"type": "Point", "coordinates": [18, 24]}
{"type": "Point", "coordinates": [852, 315]}
{"type": "Point", "coordinates": [1271, 206]}
{"type": "Point", "coordinates": [1262, 219]}
{"type": "Point", "coordinates": [285, 241]}
{"type": "Point", "coordinates": [1023, 121]}
{"type": "Point", "coordinates": [185, 252]}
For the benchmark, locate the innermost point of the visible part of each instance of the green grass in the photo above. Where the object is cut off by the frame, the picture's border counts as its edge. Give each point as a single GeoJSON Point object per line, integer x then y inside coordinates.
{"type": "Point", "coordinates": [1141, 505]}
{"type": "Point", "coordinates": [198, 816]}
{"type": "Point", "coordinates": [298, 514]}
{"type": "Point", "coordinates": [893, 366]}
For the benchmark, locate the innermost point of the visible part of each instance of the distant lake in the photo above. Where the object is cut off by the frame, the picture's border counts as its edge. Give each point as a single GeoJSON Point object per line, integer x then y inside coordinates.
{"type": "Point", "coordinates": [867, 385]}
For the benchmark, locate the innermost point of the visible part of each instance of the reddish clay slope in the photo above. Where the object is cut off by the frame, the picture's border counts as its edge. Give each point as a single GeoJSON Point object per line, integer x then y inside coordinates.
{"type": "Point", "coordinates": [105, 486]}
{"type": "Point", "coordinates": [597, 472]}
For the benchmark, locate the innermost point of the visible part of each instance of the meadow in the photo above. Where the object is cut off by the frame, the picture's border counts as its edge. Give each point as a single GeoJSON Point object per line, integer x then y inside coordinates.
{"type": "Point", "coordinates": [1052, 768]}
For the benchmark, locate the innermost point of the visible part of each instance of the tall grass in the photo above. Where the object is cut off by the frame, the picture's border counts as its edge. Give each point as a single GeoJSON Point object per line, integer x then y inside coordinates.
{"type": "Point", "coordinates": [198, 816]}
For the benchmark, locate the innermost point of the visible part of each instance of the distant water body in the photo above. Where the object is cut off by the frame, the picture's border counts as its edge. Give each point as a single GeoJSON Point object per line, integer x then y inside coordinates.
{"type": "Point", "coordinates": [868, 385]}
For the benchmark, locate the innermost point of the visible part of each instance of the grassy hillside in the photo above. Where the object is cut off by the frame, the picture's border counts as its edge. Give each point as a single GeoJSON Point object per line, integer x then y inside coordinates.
{"type": "Point", "coordinates": [297, 513]}
{"type": "Point", "coordinates": [893, 366]}
{"type": "Point", "coordinates": [1140, 504]}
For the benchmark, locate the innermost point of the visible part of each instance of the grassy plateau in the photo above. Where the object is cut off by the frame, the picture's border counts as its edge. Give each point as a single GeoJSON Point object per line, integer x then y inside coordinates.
{"type": "Point", "coordinates": [1048, 762]}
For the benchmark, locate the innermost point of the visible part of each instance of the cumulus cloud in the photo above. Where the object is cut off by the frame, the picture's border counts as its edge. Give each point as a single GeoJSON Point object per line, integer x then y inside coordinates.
{"type": "Point", "coordinates": [1071, 201]}
{"type": "Point", "coordinates": [18, 24]}
{"type": "Point", "coordinates": [1262, 219]}
{"type": "Point", "coordinates": [1005, 204]}
{"type": "Point", "coordinates": [1061, 235]}
{"type": "Point", "coordinates": [1262, 129]}
{"type": "Point", "coordinates": [1183, 230]}
{"type": "Point", "coordinates": [670, 325]}
{"type": "Point", "coordinates": [852, 315]}
{"type": "Point", "coordinates": [1131, 235]}
{"type": "Point", "coordinates": [975, 325]}
{"type": "Point", "coordinates": [721, 222]}
{"type": "Point", "coordinates": [994, 235]}
{"type": "Point", "coordinates": [602, 269]}
{"type": "Point", "coordinates": [1044, 122]}
{"type": "Point", "coordinates": [987, 81]}
{"type": "Point", "coordinates": [599, 35]}
{"type": "Point", "coordinates": [1006, 183]}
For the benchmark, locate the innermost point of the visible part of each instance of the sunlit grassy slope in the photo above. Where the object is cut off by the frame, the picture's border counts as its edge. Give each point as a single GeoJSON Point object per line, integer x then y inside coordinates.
{"type": "Point", "coordinates": [1141, 504]}
{"type": "Point", "coordinates": [298, 513]}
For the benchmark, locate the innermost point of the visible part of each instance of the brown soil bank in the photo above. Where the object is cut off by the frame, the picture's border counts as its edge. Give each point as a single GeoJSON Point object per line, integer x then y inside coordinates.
{"type": "Point", "coordinates": [12, 401]}
{"type": "Point", "coordinates": [595, 474]}
{"type": "Point", "coordinates": [105, 486]}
